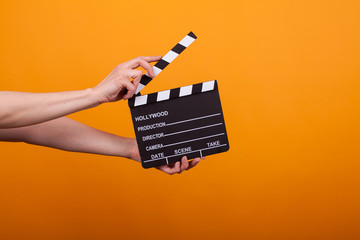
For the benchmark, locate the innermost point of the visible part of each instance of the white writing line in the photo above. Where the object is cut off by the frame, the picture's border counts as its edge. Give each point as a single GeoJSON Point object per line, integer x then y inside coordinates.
{"type": "Point", "coordinates": [193, 119]}
{"type": "Point", "coordinates": [193, 129]}
{"type": "Point", "coordinates": [195, 139]}
{"type": "Point", "coordinates": [185, 153]}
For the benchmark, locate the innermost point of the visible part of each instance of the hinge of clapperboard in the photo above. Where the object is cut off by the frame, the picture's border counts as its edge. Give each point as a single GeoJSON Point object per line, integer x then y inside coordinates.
{"type": "Point", "coordinates": [163, 62]}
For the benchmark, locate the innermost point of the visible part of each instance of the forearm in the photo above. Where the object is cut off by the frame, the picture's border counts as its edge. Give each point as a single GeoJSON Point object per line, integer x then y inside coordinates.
{"type": "Point", "coordinates": [19, 109]}
{"type": "Point", "coordinates": [67, 134]}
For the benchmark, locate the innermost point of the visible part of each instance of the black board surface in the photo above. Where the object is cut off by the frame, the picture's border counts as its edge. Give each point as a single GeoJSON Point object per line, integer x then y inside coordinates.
{"type": "Point", "coordinates": [186, 121]}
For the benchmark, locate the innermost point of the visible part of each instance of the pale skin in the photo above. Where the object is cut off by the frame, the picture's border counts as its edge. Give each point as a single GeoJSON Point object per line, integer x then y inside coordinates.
{"type": "Point", "coordinates": [39, 118]}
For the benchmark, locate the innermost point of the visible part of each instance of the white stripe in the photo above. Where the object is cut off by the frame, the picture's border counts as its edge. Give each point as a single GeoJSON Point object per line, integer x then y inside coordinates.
{"type": "Point", "coordinates": [208, 86]}
{"type": "Point", "coordinates": [140, 100]}
{"type": "Point", "coordinates": [156, 70]}
{"type": "Point", "coordinates": [170, 56]}
{"type": "Point", "coordinates": [163, 95]}
{"type": "Point", "coordinates": [184, 91]}
{"type": "Point", "coordinates": [139, 88]}
{"type": "Point", "coordinates": [186, 41]}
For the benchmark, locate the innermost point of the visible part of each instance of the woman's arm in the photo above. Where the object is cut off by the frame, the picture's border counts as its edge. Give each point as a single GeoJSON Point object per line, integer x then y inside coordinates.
{"type": "Point", "coordinates": [18, 109]}
{"type": "Point", "coordinates": [67, 134]}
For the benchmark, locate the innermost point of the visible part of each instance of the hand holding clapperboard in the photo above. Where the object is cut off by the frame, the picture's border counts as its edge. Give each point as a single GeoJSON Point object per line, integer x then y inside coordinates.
{"type": "Point", "coordinates": [177, 122]}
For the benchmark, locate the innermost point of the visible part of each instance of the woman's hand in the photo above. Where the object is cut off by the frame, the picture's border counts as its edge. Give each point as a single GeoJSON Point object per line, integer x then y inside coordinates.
{"type": "Point", "coordinates": [179, 167]}
{"type": "Point", "coordinates": [113, 87]}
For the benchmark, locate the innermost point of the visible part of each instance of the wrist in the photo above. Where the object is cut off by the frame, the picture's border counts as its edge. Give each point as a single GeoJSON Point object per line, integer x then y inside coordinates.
{"type": "Point", "coordinates": [95, 96]}
{"type": "Point", "coordinates": [133, 150]}
{"type": "Point", "coordinates": [127, 148]}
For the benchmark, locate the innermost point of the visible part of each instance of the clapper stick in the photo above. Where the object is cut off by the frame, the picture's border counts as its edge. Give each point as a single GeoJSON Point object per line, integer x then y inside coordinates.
{"type": "Point", "coordinates": [167, 59]}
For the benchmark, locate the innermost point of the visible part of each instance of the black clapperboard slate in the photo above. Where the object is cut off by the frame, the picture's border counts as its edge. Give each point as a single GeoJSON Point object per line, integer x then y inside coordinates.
{"type": "Point", "coordinates": [186, 121]}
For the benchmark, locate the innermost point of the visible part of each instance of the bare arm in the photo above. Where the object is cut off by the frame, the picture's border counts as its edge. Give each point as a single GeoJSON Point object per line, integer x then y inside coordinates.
{"type": "Point", "coordinates": [18, 109]}
{"type": "Point", "coordinates": [67, 134]}
{"type": "Point", "coordinates": [21, 109]}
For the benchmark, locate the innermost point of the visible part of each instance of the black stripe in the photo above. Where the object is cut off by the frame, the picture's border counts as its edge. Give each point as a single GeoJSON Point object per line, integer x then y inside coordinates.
{"type": "Point", "coordinates": [178, 48]}
{"type": "Point", "coordinates": [145, 79]}
{"type": "Point", "coordinates": [174, 93]}
{"type": "Point", "coordinates": [197, 88]}
{"type": "Point", "coordinates": [161, 64]}
{"type": "Point", "coordinates": [151, 98]}
{"type": "Point", "coordinates": [215, 85]}
{"type": "Point", "coordinates": [131, 102]}
{"type": "Point", "coordinates": [191, 34]}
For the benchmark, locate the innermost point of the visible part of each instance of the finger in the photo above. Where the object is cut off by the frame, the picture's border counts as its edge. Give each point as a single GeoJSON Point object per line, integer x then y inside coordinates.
{"type": "Point", "coordinates": [165, 169]}
{"type": "Point", "coordinates": [152, 58]}
{"type": "Point", "coordinates": [193, 163]}
{"type": "Point", "coordinates": [147, 66]}
{"type": "Point", "coordinates": [184, 164]}
{"type": "Point", "coordinates": [148, 59]}
{"type": "Point", "coordinates": [172, 168]}
{"type": "Point", "coordinates": [176, 168]}
{"type": "Point", "coordinates": [130, 90]}
{"type": "Point", "coordinates": [136, 76]}
{"type": "Point", "coordinates": [144, 62]}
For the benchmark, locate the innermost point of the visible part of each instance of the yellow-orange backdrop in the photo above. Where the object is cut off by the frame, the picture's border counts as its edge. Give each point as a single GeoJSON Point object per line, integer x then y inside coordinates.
{"type": "Point", "coordinates": [288, 75]}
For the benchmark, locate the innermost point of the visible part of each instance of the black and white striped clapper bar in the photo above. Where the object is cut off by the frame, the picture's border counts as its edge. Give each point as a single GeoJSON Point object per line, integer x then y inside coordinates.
{"type": "Point", "coordinates": [186, 121]}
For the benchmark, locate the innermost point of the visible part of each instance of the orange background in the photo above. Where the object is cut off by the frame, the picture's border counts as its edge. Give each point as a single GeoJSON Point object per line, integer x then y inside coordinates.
{"type": "Point", "coordinates": [288, 75]}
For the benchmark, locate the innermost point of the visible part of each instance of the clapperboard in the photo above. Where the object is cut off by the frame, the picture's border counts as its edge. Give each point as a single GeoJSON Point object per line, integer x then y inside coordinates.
{"type": "Point", "coordinates": [186, 121]}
